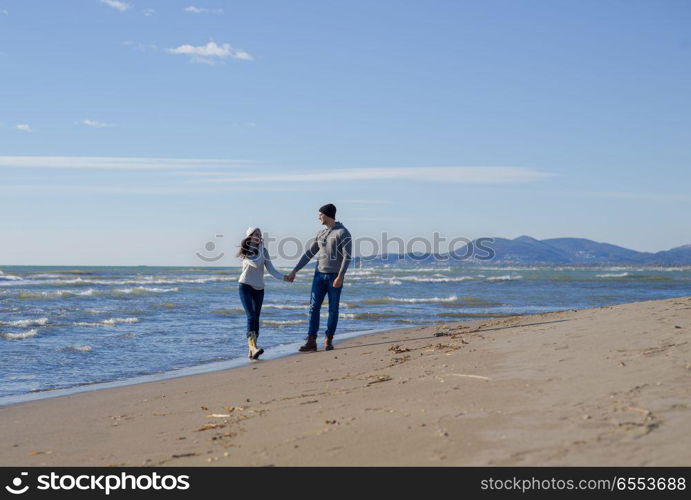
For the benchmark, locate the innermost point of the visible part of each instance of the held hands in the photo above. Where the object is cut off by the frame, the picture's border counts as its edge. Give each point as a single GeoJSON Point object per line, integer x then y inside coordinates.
{"type": "Point", "coordinates": [290, 277]}
{"type": "Point", "coordinates": [338, 281]}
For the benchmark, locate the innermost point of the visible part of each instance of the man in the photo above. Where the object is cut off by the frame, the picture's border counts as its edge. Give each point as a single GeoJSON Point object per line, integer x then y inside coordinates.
{"type": "Point", "coordinates": [334, 246]}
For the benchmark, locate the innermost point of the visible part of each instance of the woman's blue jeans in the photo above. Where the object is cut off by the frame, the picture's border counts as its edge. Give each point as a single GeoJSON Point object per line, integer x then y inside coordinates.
{"type": "Point", "coordinates": [252, 303]}
{"type": "Point", "coordinates": [322, 285]}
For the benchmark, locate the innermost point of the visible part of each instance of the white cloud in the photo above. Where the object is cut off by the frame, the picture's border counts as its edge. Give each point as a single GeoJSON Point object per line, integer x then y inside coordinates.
{"type": "Point", "coordinates": [174, 175]}
{"type": "Point", "coordinates": [202, 10]}
{"type": "Point", "coordinates": [110, 188]}
{"type": "Point", "coordinates": [97, 124]}
{"type": "Point", "coordinates": [121, 6]}
{"type": "Point", "coordinates": [24, 127]}
{"type": "Point", "coordinates": [210, 53]}
{"type": "Point", "coordinates": [200, 167]}
{"type": "Point", "coordinates": [465, 175]}
{"type": "Point", "coordinates": [149, 12]}
{"type": "Point", "coordinates": [241, 54]}
{"type": "Point", "coordinates": [116, 163]}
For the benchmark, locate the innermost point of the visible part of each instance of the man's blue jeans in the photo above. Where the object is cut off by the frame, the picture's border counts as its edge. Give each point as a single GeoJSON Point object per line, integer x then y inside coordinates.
{"type": "Point", "coordinates": [322, 285]}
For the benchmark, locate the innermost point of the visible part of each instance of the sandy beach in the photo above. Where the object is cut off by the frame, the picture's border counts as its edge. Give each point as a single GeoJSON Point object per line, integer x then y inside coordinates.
{"type": "Point", "coordinates": [603, 386]}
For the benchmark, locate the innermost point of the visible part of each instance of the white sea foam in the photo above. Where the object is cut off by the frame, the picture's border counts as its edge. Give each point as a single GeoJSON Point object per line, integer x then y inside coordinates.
{"type": "Point", "coordinates": [113, 321]}
{"type": "Point", "coordinates": [421, 269]}
{"type": "Point", "coordinates": [90, 292]}
{"type": "Point", "coordinates": [388, 281]}
{"type": "Point", "coordinates": [279, 324]}
{"type": "Point", "coordinates": [56, 294]}
{"type": "Point", "coordinates": [95, 311]}
{"type": "Point", "coordinates": [147, 280]}
{"type": "Point", "coordinates": [426, 300]}
{"type": "Point", "coordinates": [144, 289]}
{"type": "Point", "coordinates": [79, 348]}
{"type": "Point", "coordinates": [26, 322]}
{"type": "Point", "coordinates": [361, 272]}
{"type": "Point", "coordinates": [612, 275]}
{"type": "Point", "coordinates": [107, 322]}
{"type": "Point", "coordinates": [10, 277]}
{"type": "Point", "coordinates": [506, 277]}
{"type": "Point", "coordinates": [19, 336]}
{"type": "Point", "coordinates": [435, 279]}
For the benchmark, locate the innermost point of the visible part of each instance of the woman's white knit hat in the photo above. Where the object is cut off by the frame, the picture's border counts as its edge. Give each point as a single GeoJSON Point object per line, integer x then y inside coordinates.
{"type": "Point", "coordinates": [250, 230]}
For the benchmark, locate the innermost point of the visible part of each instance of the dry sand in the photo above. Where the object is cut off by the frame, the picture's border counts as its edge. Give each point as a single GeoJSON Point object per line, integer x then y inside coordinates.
{"type": "Point", "coordinates": [605, 386]}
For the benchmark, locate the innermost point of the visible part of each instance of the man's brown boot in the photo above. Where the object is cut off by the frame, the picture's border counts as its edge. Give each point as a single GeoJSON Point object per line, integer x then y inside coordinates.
{"type": "Point", "coordinates": [329, 343]}
{"type": "Point", "coordinates": [310, 345]}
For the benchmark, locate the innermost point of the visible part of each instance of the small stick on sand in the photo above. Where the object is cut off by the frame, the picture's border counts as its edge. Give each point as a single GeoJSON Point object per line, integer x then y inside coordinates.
{"type": "Point", "coordinates": [639, 410]}
{"type": "Point", "coordinates": [468, 375]}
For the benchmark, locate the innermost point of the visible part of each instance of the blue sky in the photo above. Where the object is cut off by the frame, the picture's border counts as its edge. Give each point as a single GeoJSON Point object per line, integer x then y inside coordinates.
{"type": "Point", "coordinates": [132, 132]}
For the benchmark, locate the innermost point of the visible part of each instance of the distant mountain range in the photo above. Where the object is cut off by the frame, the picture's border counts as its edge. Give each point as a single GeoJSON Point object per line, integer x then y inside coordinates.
{"type": "Point", "coordinates": [560, 251]}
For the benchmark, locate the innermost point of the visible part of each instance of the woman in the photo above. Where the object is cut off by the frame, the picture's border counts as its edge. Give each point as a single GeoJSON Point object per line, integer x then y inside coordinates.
{"type": "Point", "coordinates": [254, 259]}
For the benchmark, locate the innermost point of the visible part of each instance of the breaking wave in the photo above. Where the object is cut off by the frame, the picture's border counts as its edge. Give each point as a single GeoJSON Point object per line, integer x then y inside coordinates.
{"type": "Point", "coordinates": [279, 323]}
{"type": "Point", "coordinates": [139, 290]}
{"type": "Point", "coordinates": [435, 279]}
{"type": "Point", "coordinates": [26, 322]}
{"type": "Point", "coordinates": [90, 292]}
{"type": "Point", "coordinates": [108, 322]}
{"type": "Point", "coordinates": [19, 336]}
{"type": "Point", "coordinates": [9, 277]}
{"type": "Point", "coordinates": [506, 277]}
{"type": "Point", "coordinates": [398, 300]}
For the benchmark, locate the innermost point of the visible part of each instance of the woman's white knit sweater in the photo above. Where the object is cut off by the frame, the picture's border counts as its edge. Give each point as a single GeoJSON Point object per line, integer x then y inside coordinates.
{"type": "Point", "coordinates": [253, 269]}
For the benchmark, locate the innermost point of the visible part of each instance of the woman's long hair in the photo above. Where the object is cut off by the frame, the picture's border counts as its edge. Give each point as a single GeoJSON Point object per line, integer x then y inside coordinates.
{"type": "Point", "coordinates": [247, 248]}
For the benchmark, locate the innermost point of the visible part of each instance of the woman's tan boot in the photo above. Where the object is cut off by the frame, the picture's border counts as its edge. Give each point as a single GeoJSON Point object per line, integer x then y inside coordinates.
{"type": "Point", "coordinates": [249, 345]}
{"type": "Point", "coordinates": [255, 351]}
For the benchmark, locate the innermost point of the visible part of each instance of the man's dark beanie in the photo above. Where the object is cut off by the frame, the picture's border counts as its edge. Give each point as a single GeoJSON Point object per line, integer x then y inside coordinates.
{"type": "Point", "coordinates": [329, 210]}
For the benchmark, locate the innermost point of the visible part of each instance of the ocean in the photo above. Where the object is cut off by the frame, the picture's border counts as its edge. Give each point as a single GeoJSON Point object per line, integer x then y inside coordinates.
{"type": "Point", "coordinates": [73, 327]}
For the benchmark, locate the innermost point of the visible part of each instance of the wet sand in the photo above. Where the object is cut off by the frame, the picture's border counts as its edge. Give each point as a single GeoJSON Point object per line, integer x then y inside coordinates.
{"type": "Point", "coordinates": [604, 386]}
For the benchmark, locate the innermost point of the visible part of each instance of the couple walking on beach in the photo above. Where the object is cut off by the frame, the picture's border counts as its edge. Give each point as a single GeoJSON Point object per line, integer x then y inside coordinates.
{"type": "Point", "coordinates": [333, 245]}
